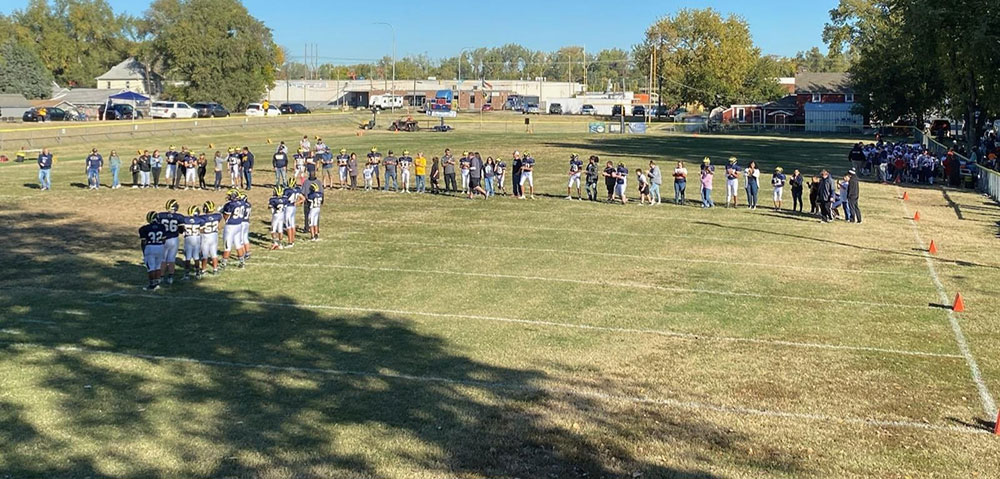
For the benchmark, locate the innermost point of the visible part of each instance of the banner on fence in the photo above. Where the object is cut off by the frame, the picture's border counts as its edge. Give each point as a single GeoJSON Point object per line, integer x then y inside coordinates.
{"type": "Point", "coordinates": [597, 127]}
{"type": "Point", "coordinates": [636, 128]}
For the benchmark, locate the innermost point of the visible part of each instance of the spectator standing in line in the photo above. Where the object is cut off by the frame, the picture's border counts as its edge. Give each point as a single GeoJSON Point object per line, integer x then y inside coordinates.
{"type": "Point", "coordinates": [853, 193]}
{"type": "Point", "coordinates": [463, 166]}
{"type": "Point", "coordinates": [826, 196]}
{"type": "Point", "coordinates": [375, 158]}
{"type": "Point", "coordinates": [134, 169]}
{"type": "Point", "coordinates": [280, 163]}
{"type": "Point", "coordinates": [499, 172]}
{"type": "Point", "coordinates": [796, 183]}
{"type": "Point", "coordinates": [390, 163]}
{"type": "Point", "coordinates": [352, 170]}
{"type": "Point", "coordinates": [814, 184]}
{"type": "Point", "coordinates": [171, 160]}
{"type": "Point", "coordinates": [655, 180]}
{"type": "Point", "coordinates": [190, 170]}
{"type": "Point", "coordinates": [420, 172]}
{"type": "Point", "coordinates": [145, 169]}
{"type": "Point", "coordinates": [342, 159]}
{"type": "Point", "coordinates": [247, 164]}
{"type": "Point", "coordinates": [448, 164]}
{"type": "Point", "coordinates": [202, 170]}
{"type": "Point", "coordinates": [609, 180]}
{"type": "Point", "coordinates": [643, 183]}
{"type": "Point", "coordinates": [751, 176]}
{"type": "Point", "coordinates": [680, 183]}
{"type": "Point", "coordinates": [155, 167]}
{"type": "Point", "coordinates": [114, 164]}
{"type": "Point", "coordinates": [707, 176]}
{"type": "Point", "coordinates": [45, 170]}
{"type": "Point", "coordinates": [219, 161]}
{"type": "Point", "coordinates": [515, 175]}
{"type": "Point", "coordinates": [94, 163]}
{"type": "Point", "coordinates": [489, 170]}
{"type": "Point", "coordinates": [778, 182]}
{"type": "Point", "coordinates": [435, 175]}
{"type": "Point", "coordinates": [592, 176]}
{"type": "Point", "coordinates": [732, 182]}
{"type": "Point", "coordinates": [476, 175]}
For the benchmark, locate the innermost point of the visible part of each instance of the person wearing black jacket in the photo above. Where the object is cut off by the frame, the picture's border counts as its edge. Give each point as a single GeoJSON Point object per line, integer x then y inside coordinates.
{"type": "Point", "coordinates": [852, 196]}
{"type": "Point", "coordinates": [827, 191]}
{"type": "Point", "coordinates": [247, 164]}
{"type": "Point", "coordinates": [796, 183]}
{"type": "Point", "coordinates": [857, 157]}
{"type": "Point", "coordinates": [515, 174]}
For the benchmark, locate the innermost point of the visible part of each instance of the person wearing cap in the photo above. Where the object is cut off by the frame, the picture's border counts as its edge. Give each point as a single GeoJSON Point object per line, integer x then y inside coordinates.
{"type": "Point", "coordinates": [732, 182]}
{"type": "Point", "coordinates": [575, 172]}
{"type": "Point", "coordinates": [515, 175]}
{"type": "Point", "coordinates": [852, 196]}
{"type": "Point", "coordinates": [374, 158]}
{"type": "Point", "coordinates": [94, 162]}
{"type": "Point", "coordinates": [448, 165]}
{"type": "Point", "coordinates": [463, 166]}
{"type": "Point", "coordinates": [391, 163]}
{"type": "Point", "coordinates": [280, 163]}
{"type": "Point", "coordinates": [707, 174]}
{"type": "Point", "coordinates": [778, 182]}
{"type": "Point", "coordinates": [342, 159]}
{"type": "Point", "coordinates": [45, 170]}
{"type": "Point", "coordinates": [751, 176]}
{"type": "Point", "coordinates": [420, 172]}
{"type": "Point", "coordinates": [404, 164]}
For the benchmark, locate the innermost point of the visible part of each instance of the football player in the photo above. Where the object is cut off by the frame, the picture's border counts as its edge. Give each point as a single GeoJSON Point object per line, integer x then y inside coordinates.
{"type": "Point", "coordinates": [527, 168]}
{"type": "Point", "coordinates": [575, 170]}
{"type": "Point", "coordinates": [232, 215]}
{"type": "Point", "coordinates": [277, 206]}
{"type": "Point", "coordinates": [151, 238]}
{"type": "Point", "coordinates": [405, 161]}
{"type": "Point", "coordinates": [293, 198]}
{"type": "Point", "coordinates": [193, 224]}
{"type": "Point", "coordinates": [171, 221]}
{"type": "Point", "coordinates": [245, 227]}
{"type": "Point", "coordinates": [342, 160]}
{"type": "Point", "coordinates": [210, 236]}
{"type": "Point", "coordinates": [315, 199]}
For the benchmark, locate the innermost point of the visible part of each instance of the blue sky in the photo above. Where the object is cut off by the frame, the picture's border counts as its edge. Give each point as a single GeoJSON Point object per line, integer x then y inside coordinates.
{"type": "Point", "coordinates": [344, 33]}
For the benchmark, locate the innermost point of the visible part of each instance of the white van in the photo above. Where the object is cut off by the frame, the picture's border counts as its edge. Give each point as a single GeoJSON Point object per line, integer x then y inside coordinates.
{"type": "Point", "coordinates": [385, 102]}
{"type": "Point", "coordinates": [256, 109]}
{"type": "Point", "coordinates": [172, 109]}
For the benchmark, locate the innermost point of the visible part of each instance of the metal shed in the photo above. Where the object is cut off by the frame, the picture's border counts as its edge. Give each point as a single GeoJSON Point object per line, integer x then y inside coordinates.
{"type": "Point", "coordinates": [832, 117]}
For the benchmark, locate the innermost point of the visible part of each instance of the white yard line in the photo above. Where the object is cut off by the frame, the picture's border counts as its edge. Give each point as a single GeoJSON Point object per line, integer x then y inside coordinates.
{"type": "Point", "coordinates": [557, 390]}
{"type": "Point", "coordinates": [989, 405]}
{"type": "Point", "coordinates": [609, 329]}
{"type": "Point", "coordinates": [622, 284]}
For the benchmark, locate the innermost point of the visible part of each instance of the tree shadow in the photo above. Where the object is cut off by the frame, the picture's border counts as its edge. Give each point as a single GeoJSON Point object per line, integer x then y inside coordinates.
{"type": "Point", "coordinates": [231, 383]}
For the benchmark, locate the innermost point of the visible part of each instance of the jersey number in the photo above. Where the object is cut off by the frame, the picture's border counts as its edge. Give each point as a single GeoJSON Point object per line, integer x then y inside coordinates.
{"type": "Point", "coordinates": [155, 237]}
{"type": "Point", "coordinates": [169, 225]}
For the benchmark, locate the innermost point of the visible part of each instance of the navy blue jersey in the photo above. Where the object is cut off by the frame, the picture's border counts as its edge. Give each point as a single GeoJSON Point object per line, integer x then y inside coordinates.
{"type": "Point", "coordinates": [153, 234]}
{"type": "Point", "coordinates": [315, 199]}
{"type": "Point", "coordinates": [210, 223]}
{"type": "Point", "coordinates": [292, 194]}
{"type": "Point", "coordinates": [233, 210]}
{"type": "Point", "coordinates": [44, 161]}
{"type": "Point", "coordinates": [277, 204]}
{"type": "Point", "coordinates": [280, 160]}
{"type": "Point", "coordinates": [342, 159]}
{"type": "Point", "coordinates": [405, 162]}
{"type": "Point", "coordinates": [622, 174]}
{"type": "Point", "coordinates": [171, 223]}
{"type": "Point", "coordinates": [94, 161]}
{"type": "Point", "coordinates": [246, 210]}
{"type": "Point", "coordinates": [575, 165]}
{"type": "Point", "coordinates": [527, 164]}
{"type": "Point", "coordinates": [193, 225]}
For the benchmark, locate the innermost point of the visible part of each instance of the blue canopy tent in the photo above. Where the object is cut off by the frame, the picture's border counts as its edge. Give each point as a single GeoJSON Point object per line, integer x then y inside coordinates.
{"type": "Point", "coordinates": [126, 95]}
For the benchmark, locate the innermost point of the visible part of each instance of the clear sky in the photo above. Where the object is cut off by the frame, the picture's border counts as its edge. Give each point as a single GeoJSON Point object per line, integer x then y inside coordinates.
{"type": "Point", "coordinates": [344, 33]}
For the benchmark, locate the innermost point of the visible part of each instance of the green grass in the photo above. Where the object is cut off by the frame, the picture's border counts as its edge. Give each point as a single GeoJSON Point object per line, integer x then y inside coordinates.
{"type": "Point", "coordinates": [436, 337]}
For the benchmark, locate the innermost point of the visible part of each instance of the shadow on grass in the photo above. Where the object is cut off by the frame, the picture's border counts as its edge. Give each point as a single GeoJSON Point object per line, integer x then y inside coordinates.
{"type": "Point", "coordinates": [199, 381]}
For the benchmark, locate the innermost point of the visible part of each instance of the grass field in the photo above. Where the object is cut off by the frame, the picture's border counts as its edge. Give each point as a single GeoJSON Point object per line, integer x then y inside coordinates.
{"type": "Point", "coordinates": [436, 337]}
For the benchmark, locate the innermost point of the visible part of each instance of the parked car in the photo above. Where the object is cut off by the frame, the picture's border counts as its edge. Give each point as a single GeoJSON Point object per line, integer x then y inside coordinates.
{"type": "Point", "coordinates": [588, 110]}
{"type": "Point", "coordinates": [255, 109]}
{"type": "Point", "coordinates": [210, 109]}
{"type": "Point", "coordinates": [172, 109]}
{"type": "Point", "coordinates": [618, 110]}
{"type": "Point", "coordinates": [293, 109]}
{"type": "Point", "coordinates": [532, 109]}
{"type": "Point", "coordinates": [555, 109]}
{"type": "Point", "coordinates": [118, 111]}
{"type": "Point", "coordinates": [487, 107]}
{"type": "Point", "coordinates": [51, 114]}
{"type": "Point", "coordinates": [638, 110]}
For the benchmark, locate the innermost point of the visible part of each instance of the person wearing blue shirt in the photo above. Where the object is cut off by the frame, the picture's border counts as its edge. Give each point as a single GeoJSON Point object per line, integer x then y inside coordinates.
{"type": "Point", "coordinates": [193, 224]}
{"type": "Point", "coordinates": [778, 182]}
{"type": "Point", "coordinates": [293, 198]}
{"type": "Point", "coordinates": [210, 236]}
{"type": "Point", "coordinates": [151, 239]}
{"type": "Point", "coordinates": [171, 221]}
{"type": "Point", "coordinates": [45, 170]}
{"type": "Point", "coordinates": [527, 169]}
{"type": "Point", "coordinates": [621, 181]}
{"type": "Point", "coordinates": [575, 172]}
{"type": "Point", "coordinates": [277, 205]}
{"type": "Point", "coordinates": [280, 163]}
{"type": "Point", "coordinates": [315, 201]}
{"type": "Point", "coordinates": [94, 165]}
{"type": "Point", "coordinates": [232, 232]}
{"type": "Point", "coordinates": [245, 227]}
{"type": "Point", "coordinates": [247, 164]}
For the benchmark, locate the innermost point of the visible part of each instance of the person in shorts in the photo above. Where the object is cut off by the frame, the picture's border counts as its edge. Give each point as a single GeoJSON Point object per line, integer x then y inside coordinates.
{"type": "Point", "coordinates": [778, 182]}
{"type": "Point", "coordinates": [342, 160]}
{"type": "Point", "coordinates": [575, 172]}
{"type": "Point", "coordinates": [732, 183]}
{"type": "Point", "coordinates": [527, 170]}
{"type": "Point", "coordinates": [193, 223]}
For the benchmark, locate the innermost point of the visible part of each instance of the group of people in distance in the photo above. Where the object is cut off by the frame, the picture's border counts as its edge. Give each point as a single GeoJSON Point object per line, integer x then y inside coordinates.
{"type": "Point", "coordinates": [200, 227]}
{"type": "Point", "coordinates": [903, 162]}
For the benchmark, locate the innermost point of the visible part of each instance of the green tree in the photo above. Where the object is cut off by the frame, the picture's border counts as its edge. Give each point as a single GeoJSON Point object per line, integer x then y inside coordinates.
{"type": "Point", "coordinates": [703, 57]}
{"type": "Point", "coordinates": [213, 49]}
{"type": "Point", "coordinates": [815, 61]}
{"type": "Point", "coordinates": [22, 71]}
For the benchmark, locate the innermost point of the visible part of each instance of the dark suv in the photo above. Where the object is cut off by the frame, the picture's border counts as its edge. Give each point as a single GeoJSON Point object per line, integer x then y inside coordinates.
{"type": "Point", "coordinates": [293, 109]}
{"type": "Point", "coordinates": [210, 109]}
{"type": "Point", "coordinates": [118, 111]}
{"type": "Point", "coordinates": [51, 114]}
{"type": "Point", "coordinates": [555, 109]}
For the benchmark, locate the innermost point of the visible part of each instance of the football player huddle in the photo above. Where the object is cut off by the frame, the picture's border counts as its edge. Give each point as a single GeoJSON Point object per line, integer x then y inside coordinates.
{"type": "Point", "coordinates": [283, 204]}
{"type": "Point", "coordinates": [160, 238]}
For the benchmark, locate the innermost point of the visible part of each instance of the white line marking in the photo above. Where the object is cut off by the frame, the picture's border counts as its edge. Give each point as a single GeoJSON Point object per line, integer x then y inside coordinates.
{"type": "Point", "coordinates": [989, 405]}
{"type": "Point", "coordinates": [498, 386]}
{"type": "Point", "coordinates": [592, 282]}
{"type": "Point", "coordinates": [615, 255]}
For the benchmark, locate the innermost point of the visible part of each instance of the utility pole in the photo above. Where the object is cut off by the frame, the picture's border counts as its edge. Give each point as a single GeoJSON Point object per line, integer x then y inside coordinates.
{"type": "Point", "coordinates": [585, 69]}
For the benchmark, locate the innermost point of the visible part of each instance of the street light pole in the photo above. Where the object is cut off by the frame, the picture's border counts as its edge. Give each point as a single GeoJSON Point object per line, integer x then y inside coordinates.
{"type": "Point", "coordinates": [392, 105]}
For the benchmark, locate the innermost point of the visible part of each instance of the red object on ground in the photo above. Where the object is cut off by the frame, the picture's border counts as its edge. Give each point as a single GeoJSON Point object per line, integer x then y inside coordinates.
{"type": "Point", "coordinates": [933, 248]}
{"type": "Point", "coordinates": [959, 305]}
{"type": "Point", "coordinates": [906, 196]}
{"type": "Point", "coordinates": [916, 216]}
{"type": "Point", "coordinates": [996, 426]}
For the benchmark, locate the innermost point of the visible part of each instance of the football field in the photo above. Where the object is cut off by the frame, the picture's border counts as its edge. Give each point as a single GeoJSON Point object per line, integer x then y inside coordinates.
{"type": "Point", "coordinates": [432, 336]}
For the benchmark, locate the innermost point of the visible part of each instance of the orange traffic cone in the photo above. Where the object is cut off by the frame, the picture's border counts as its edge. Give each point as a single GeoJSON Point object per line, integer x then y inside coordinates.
{"type": "Point", "coordinates": [906, 196]}
{"type": "Point", "coordinates": [933, 248]}
{"type": "Point", "coordinates": [210, 146]}
{"type": "Point", "coordinates": [996, 426]}
{"type": "Point", "coordinates": [959, 305]}
{"type": "Point", "coordinates": [916, 216]}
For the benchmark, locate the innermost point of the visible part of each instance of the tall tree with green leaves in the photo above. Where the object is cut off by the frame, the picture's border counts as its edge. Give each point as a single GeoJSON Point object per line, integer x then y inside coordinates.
{"type": "Point", "coordinates": [22, 71]}
{"type": "Point", "coordinates": [213, 50]}
{"type": "Point", "coordinates": [704, 57]}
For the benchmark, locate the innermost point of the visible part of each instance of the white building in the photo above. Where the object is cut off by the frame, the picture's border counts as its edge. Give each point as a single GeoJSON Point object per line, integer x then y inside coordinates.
{"type": "Point", "coordinates": [130, 75]}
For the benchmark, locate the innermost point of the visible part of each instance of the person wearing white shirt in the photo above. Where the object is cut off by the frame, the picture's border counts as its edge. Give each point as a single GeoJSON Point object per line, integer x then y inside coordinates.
{"type": "Point", "coordinates": [752, 176]}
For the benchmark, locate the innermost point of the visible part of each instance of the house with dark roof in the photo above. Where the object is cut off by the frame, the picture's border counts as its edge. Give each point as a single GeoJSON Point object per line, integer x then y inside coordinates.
{"type": "Point", "coordinates": [130, 75]}
{"type": "Point", "coordinates": [825, 102]}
